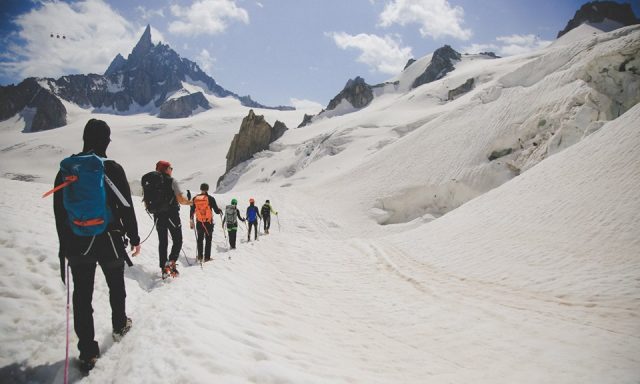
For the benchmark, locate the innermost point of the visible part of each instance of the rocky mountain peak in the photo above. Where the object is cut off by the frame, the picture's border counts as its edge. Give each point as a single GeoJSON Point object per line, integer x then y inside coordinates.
{"type": "Point", "coordinates": [117, 64]}
{"type": "Point", "coordinates": [441, 64]}
{"type": "Point", "coordinates": [597, 11]}
{"type": "Point", "coordinates": [357, 92]}
{"type": "Point", "coordinates": [143, 46]}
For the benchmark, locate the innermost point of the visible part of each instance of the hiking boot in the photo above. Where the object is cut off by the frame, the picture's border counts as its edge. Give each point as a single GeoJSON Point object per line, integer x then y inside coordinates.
{"type": "Point", "coordinates": [86, 365]}
{"type": "Point", "coordinates": [199, 259]}
{"type": "Point", "coordinates": [166, 272]}
{"type": "Point", "coordinates": [173, 270]}
{"type": "Point", "coordinates": [207, 259]}
{"type": "Point", "coordinates": [119, 334]}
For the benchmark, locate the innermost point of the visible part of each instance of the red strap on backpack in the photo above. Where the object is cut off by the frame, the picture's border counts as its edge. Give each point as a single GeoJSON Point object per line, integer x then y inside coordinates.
{"type": "Point", "coordinates": [68, 180]}
{"type": "Point", "coordinates": [88, 223]}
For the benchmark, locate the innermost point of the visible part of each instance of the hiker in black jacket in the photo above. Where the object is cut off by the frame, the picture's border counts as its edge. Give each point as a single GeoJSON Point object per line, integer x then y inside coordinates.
{"type": "Point", "coordinates": [266, 211]}
{"type": "Point", "coordinates": [201, 208]}
{"type": "Point", "coordinates": [107, 249]}
{"type": "Point", "coordinates": [168, 221]}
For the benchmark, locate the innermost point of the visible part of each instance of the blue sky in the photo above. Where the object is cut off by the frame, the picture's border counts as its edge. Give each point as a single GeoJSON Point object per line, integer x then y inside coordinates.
{"type": "Point", "coordinates": [281, 52]}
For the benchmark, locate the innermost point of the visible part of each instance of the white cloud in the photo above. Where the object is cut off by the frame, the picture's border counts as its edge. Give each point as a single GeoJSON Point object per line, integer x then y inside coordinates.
{"type": "Point", "coordinates": [382, 54]}
{"type": "Point", "coordinates": [437, 18]}
{"type": "Point", "coordinates": [303, 104]}
{"type": "Point", "coordinates": [205, 61]}
{"type": "Point", "coordinates": [517, 44]}
{"type": "Point", "coordinates": [477, 48]}
{"type": "Point", "coordinates": [206, 17]}
{"type": "Point", "coordinates": [94, 33]}
{"type": "Point", "coordinates": [147, 14]}
{"type": "Point", "coordinates": [510, 45]}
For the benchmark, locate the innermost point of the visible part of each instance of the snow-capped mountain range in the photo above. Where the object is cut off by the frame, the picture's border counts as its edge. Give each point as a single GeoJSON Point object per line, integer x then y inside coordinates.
{"type": "Point", "coordinates": [152, 79]}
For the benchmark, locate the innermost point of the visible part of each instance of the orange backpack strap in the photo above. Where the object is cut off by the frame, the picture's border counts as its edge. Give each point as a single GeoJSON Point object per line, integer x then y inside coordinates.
{"type": "Point", "coordinates": [68, 180]}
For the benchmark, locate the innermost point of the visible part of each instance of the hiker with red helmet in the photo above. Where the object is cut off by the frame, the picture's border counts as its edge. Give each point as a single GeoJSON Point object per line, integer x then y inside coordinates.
{"type": "Point", "coordinates": [162, 197]}
{"type": "Point", "coordinates": [253, 213]}
{"type": "Point", "coordinates": [201, 208]}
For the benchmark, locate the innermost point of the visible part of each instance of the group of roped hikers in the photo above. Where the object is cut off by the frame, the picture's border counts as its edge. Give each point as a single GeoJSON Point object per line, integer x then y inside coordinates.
{"type": "Point", "coordinates": [95, 221]}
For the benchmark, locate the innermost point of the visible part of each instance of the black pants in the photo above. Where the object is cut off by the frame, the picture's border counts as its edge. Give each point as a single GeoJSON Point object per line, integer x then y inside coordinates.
{"type": "Point", "coordinates": [232, 237]}
{"type": "Point", "coordinates": [266, 219]}
{"type": "Point", "coordinates": [253, 224]}
{"type": "Point", "coordinates": [168, 223]}
{"type": "Point", "coordinates": [109, 252]}
{"type": "Point", "coordinates": [204, 234]}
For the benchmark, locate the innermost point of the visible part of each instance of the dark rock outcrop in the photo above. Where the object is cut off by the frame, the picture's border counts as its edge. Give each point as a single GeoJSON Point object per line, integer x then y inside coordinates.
{"type": "Point", "coordinates": [254, 136]}
{"type": "Point", "coordinates": [183, 106]}
{"type": "Point", "coordinates": [279, 128]}
{"type": "Point", "coordinates": [357, 92]}
{"type": "Point", "coordinates": [441, 64]}
{"type": "Point", "coordinates": [597, 11]}
{"type": "Point", "coordinates": [49, 111]}
{"type": "Point", "coordinates": [306, 120]}
{"type": "Point", "coordinates": [464, 88]}
{"type": "Point", "coordinates": [490, 54]}
{"type": "Point", "coordinates": [500, 153]}
{"type": "Point", "coordinates": [411, 61]}
{"type": "Point", "coordinates": [116, 65]}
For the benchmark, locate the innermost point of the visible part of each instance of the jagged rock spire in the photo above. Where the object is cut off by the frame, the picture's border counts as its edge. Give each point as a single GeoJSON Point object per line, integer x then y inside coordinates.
{"type": "Point", "coordinates": [144, 44]}
{"type": "Point", "coordinates": [118, 63]}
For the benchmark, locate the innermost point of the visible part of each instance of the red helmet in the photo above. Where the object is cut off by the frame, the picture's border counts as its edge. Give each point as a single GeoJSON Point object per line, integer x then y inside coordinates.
{"type": "Point", "coordinates": [251, 200]}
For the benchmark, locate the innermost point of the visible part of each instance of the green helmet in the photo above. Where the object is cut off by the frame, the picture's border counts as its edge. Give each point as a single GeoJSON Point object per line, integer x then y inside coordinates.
{"type": "Point", "coordinates": [234, 201]}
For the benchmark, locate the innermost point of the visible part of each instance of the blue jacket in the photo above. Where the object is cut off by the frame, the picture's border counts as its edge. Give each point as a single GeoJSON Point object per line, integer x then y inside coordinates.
{"type": "Point", "coordinates": [253, 213]}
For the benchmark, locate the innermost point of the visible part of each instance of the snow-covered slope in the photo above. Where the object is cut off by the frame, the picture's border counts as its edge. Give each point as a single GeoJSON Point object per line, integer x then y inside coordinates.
{"type": "Point", "coordinates": [528, 274]}
{"type": "Point", "coordinates": [410, 155]}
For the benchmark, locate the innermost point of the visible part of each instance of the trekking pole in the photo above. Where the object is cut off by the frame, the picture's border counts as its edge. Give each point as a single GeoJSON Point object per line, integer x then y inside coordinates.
{"type": "Point", "coordinates": [66, 359]}
{"type": "Point", "coordinates": [185, 256]}
{"type": "Point", "coordinates": [278, 220]}
{"type": "Point", "coordinates": [222, 226]}
{"type": "Point", "coordinates": [195, 234]}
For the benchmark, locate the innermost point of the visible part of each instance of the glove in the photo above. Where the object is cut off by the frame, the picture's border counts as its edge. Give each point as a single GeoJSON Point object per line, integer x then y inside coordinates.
{"type": "Point", "coordinates": [135, 249]}
{"type": "Point", "coordinates": [63, 268]}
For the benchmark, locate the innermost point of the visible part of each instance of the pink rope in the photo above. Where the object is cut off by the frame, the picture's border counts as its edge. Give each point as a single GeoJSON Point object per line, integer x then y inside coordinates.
{"type": "Point", "coordinates": [66, 361]}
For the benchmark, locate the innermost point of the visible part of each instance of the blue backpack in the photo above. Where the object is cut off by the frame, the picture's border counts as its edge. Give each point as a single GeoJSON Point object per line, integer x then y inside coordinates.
{"type": "Point", "coordinates": [85, 197]}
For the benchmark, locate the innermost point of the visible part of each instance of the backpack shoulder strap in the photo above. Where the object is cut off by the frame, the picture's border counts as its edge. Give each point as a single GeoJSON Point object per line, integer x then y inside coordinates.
{"type": "Point", "coordinates": [116, 191]}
